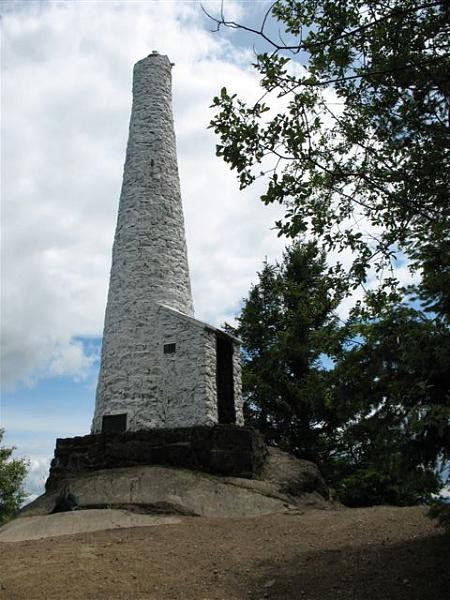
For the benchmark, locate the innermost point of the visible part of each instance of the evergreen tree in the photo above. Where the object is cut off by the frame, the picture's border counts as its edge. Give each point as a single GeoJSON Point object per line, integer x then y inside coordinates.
{"type": "Point", "coordinates": [351, 132]}
{"type": "Point", "coordinates": [377, 418]}
{"type": "Point", "coordinates": [391, 386]}
{"type": "Point", "coordinates": [287, 326]}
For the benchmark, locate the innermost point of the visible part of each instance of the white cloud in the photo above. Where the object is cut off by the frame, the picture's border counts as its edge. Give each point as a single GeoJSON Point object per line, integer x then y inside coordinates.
{"type": "Point", "coordinates": [66, 98]}
{"type": "Point", "coordinates": [36, 478]}
{"type": "Point", "coordinates": [71, 360]}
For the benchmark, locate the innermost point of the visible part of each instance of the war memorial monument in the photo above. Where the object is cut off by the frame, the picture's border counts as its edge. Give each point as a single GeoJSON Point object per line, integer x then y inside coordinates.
{"type": "Point", "coordinates": [160, 367]}
{"type": "Point", "coordinates": [168, 433]}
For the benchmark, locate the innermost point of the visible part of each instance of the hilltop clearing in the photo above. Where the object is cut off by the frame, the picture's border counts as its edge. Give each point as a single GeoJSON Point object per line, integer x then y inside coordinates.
{"type": "Point", "coordinates": [380, 553]}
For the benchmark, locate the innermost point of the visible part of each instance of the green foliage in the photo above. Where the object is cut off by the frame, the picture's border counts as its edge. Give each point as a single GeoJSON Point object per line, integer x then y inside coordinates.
{"type": "Point", "coordinates": [377, 421]}
{"type": "Point", "coordinates": [351, 133]}
{"type": "Point", "coordinates": [391, 383]}
{"type": "Point", "coordinates": [12, 475]}
{"type": "Point", "coordinates": [287, 323]}
{"type": "Point", "coordinates": [441, 512]}
{"type": "Point", "coordinates": [434, 289]}
{"type": "Point", "coordinates": [375, 485]}
{"type": "Point", "coordinates": [354, 142]}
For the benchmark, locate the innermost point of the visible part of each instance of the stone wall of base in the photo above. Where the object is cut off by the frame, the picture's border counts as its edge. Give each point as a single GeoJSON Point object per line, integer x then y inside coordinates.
{"type": "Point", "coordinates": [221, 450]}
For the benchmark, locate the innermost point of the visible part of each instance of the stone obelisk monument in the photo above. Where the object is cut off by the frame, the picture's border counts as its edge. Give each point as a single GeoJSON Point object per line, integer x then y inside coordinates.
{"type": "Point", "coordinates": [169, 388]}
{"type": "Point", "coordinates": [160, 367]}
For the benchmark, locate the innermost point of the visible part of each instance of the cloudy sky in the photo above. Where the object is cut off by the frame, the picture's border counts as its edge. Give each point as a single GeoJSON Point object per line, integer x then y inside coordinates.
{"type": "Point", "coordinates": [66, 99]}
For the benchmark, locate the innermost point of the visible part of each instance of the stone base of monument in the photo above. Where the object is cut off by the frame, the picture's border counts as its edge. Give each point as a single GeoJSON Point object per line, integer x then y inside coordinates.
{"type": "Point", "coordinates": [222, 471]}
{"type": "Point", "coordinates": [219, 450]}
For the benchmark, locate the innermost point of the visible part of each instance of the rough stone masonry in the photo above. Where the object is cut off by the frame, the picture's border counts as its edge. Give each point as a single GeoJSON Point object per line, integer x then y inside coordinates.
{"type": "Point", "coordinates": [160, 367]}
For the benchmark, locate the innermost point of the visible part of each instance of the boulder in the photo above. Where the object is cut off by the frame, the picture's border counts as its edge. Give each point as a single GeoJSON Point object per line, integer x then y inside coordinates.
{"type": "Point", "coordinates": [69, 523]}
{"type": "Point", "coordinates": [283, 483]}
{"type": "Point", "coordinates": [292, 476]}
{"type": "Point", "coordinates": [156, 489]}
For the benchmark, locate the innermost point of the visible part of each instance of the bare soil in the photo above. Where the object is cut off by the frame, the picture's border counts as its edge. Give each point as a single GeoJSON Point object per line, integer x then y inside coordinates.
{"type": "Point", "coordinates": [379, 553]}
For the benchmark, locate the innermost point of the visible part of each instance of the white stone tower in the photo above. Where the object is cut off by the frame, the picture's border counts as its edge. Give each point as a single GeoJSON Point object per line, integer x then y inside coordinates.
{"type": "Point", "coordinates": [160, 367]}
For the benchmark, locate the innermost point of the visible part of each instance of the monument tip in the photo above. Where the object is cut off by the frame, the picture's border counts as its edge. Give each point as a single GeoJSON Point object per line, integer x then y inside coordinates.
{"type": "Point", "coordinates": [156, 53]}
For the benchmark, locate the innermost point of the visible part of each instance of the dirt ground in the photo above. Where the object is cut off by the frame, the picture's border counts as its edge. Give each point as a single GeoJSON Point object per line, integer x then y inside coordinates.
{"type": "Point", "coordinates": [359, 554]}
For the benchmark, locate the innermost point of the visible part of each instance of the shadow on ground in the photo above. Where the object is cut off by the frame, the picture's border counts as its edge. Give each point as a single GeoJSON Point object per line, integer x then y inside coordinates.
{"type": "Point", "coordinates": [381, 553]}
{"type": "Point", "coordinates": [411, 570]}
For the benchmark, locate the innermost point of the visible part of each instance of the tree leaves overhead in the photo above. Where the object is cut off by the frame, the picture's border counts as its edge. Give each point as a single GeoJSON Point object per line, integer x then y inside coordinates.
{"type": "Point", "coordinates": [359, 152]}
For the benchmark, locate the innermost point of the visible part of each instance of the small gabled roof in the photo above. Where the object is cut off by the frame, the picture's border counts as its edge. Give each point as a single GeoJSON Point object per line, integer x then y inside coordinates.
{"type": "Point", "coordinates": [200, 324]}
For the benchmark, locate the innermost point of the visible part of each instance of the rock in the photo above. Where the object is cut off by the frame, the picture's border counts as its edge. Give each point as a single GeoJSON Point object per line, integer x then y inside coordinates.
{"type": "Point", "coordinates": [166, 490]}
{"type": "Point", "coordinates": [292, 476]}
{"type": "Point", "coordinates": [283, 483]}
{"type": "Point", "coordinates": [72, 522]}
{"type": "Point", "coordinates": [65, 501]}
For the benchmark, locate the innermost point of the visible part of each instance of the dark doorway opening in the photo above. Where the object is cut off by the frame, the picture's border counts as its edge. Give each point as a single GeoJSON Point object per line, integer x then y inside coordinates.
{"type": "Point", "coordinates": [224, 379]}
{"type": "Point", "coordinates": [114, 423]}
